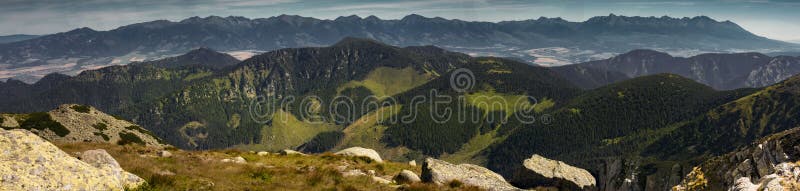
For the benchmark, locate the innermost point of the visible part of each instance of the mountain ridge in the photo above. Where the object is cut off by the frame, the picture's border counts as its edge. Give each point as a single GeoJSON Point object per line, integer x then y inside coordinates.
{"type": "Point", "coordinates": [527, 39]}
{"type": "Point", "coordinates": [723, 71]}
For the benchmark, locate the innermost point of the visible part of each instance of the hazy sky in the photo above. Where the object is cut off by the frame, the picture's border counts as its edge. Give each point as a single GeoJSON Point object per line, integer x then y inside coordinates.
{"type": "Point", "coordinates": [777, 19]}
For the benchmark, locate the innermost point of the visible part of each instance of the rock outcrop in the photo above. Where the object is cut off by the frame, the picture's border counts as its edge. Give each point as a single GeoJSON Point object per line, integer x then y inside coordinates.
{"type": "Point", "coordinates": [28, 162]}
{"type": "Point", "coordinates": [361, 152]}
{"type": "Point", "coordinates": [539, 171]}
{"type": "Point", "coordinates": [441, 172]}
{"type": "Point", "coordinates": [768, 164]}
{"type": "Point", "coordinates": [79, 123]}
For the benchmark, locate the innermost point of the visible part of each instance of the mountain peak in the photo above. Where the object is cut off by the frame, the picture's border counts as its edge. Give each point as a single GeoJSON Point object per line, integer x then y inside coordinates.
{"type": "Point", "coordinates": [413, 17]}
{"type": "Point", "coordinates": [351, 18]}
{"type": "Point", "coordinates": [201, 56]}
{"type": "Point", "coordinates": [201, 51]}
{"type": "Point", "coordinates": [82, 30]}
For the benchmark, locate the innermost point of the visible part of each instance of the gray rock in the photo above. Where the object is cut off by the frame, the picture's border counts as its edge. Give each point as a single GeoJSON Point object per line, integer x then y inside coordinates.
{"type": "Point", "coordinates": [165, 154]}
{"type": "Point", "coordinates": [262, 153]}
{"type": "Point", "coordinates": [290, 152]}
{"type": "Point", "coordinates": [381, 180]}
{"type": "Point", "coordinates": [99, 158]}
{"type": "Point", "coordinates": [354, 172]}
{"type": "Point", "coordinates": [441, 172]}
{"type": "Point", "coordinates": [361, 152]}
{"type": "Point", "coordinates": [239, 160]}
{"type": "Point", "coordinates": [406, 177]}
{"type": "Point", "coordinates": [412, 163]}
{"type": "Point", "coordinates": [539, 171]}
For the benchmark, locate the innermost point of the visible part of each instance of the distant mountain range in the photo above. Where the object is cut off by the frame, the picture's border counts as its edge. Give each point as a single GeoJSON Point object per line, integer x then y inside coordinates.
{"type": "Point", "coordinates": [546, 41]}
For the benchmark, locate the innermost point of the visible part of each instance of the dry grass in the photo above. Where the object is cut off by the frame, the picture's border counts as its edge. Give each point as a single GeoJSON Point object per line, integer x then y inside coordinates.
{"type": "Point", "coordinates": [204, 170]}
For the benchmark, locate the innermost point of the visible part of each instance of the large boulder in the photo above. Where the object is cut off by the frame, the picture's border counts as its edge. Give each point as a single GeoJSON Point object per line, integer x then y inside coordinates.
{"type": "Point", "coordinates": [538, 171]}
{"type": "Point", "coordinates": [28, 162]}
{"type": "Point", "coordinates": [361, 152]}
{"type": "Point", "coordinates": [441, 172]}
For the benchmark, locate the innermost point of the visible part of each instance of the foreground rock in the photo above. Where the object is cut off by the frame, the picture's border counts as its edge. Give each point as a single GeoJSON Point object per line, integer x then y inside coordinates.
{"type": "Point", "coordinates": [441, 172]}
{"type": "Point", "coordinates": [361, 152]}
{"type": "Point", "coordinates": [768, 164]}
{"type": "Point", "coordinates": [28, 162]}
{"type": "Point", "coordinates": [542, 172]}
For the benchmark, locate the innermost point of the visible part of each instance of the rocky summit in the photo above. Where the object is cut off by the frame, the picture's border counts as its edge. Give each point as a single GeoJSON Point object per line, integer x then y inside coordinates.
{"type": "Point", "coordinates": [80, 123]}
{"type": "Point", "coordinates": [29, 162]}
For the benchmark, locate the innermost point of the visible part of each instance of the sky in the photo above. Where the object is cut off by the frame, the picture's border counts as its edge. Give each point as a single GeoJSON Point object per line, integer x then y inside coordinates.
{"type": "Point", "coordinates": [776, 19]}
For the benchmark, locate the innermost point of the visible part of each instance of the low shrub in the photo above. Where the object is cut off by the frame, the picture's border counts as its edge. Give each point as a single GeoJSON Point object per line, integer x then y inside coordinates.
{"type": "Point", "coordinates": [81, 108]}
{"type": "Point", "coordinates": [41, 121]}
{"type": "Point", "coordinates": [128, 138]}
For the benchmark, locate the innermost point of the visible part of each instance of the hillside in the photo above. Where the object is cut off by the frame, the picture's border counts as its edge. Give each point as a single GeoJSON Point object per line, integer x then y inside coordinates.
{"type": "Point", "coordinates": [604, 127]}
{"type": "Point", "coordinates": [479, 115]}
{"type": "Point", "coordinates": [720, 71]}
{"type": "Point", "coordinates": [546, 41]}
{"type": "Point", "coordinates": [734, 124]}
{"type": "Point", "coordinates": [587, 77]}
{"type": "Point", "coordinates": [217, 112]}
{"type": "Point", "coordinates": [70, 123]}
{"type": "Point", "coordinates": [113, 88]}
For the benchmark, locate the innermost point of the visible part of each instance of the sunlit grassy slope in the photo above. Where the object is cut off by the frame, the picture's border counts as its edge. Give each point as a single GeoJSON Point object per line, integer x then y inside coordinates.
{"type": "Point", "coordinates": [386, 81]}
{"type": "Point", "coordinates": [288, 132]}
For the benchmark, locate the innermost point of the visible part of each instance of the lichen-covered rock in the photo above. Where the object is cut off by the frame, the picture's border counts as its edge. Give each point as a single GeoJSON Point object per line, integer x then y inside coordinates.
{"type": "Point", "coordinates": [361, 152]}
{"type": "Point", "coordinates": [406, 177]}
{"type": "Point", "coordinates": [441, 172]}
{"type": "Point", "coordinates": [28, 162]}
{"type": "Point", "coordinates": [539, 171]}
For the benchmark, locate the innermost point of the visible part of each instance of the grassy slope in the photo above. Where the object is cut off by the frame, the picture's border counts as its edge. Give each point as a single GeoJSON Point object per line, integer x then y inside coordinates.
{"type": "Point", "coordinates": [203, 170]}
{"type": "Point", "coordinates": [368, 130]}
{"type": "Point", "coordinates": [288, 132]}
{"type": "Point", "coordinates": [496, 81]}
{"type": "Point", "coordinates": [387, 81]}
